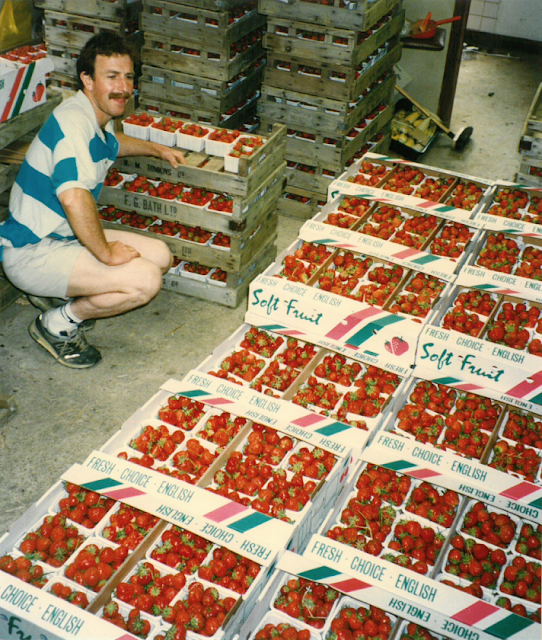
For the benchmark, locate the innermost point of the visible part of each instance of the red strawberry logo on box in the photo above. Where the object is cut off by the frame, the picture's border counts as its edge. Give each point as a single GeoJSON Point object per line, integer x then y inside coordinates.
{"type": "Point", "coordinates": [38, 93]}
{"type": "Point", "coordinates": [397, 346]}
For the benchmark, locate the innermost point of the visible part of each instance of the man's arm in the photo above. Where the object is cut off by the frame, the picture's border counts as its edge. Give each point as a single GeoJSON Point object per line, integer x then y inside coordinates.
{"type": "Point", "coordinates": [135, 147]}
{"type": "Point", "coordinates": [82, 213]}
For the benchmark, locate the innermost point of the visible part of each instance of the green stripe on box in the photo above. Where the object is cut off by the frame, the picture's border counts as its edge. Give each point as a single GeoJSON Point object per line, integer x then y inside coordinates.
{"type": "Point", "coordinates": [536, 399]}
{"type": "Point", "coordinates": [446, 380]}
{"type": "Point", "coordinates": [371, 353]}
{"type": "Point", "coordinates": [273, 327]}
{"type": "Point", "coordinates": [537, 504]}
{"type": "Point", "coordinates": [319, 573]}
{"type": "Point", "coordinates": [332, 429]}
{"type": "Point", "coordinates": [509, 626]}
{"type": "Point", "coordinates": [425, 259]}
{"type": "Point", "coordinates": [100, 485]}
{"type": "Point", "coordinates": [249, 522]}
{"type": "Point", "coordinates": [196, 393]}
{"type": "Point", "coordinates": [485, 287]}
{"type": "Point", "coordinates": [20, 98]}
{"type": "Point", "coordinates": [371, 328]}
{"type": "Point", "coordinates": [444, 208]}
{"type": "Point", "coordinates": [399, 465]}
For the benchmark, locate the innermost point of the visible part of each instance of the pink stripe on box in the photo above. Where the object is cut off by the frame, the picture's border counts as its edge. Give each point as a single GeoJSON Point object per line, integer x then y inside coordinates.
{"type": "Point", "coordinates": [525, 387]}
{"type": "Point", "coordinates": [467, 386]}
{"type": "Point", "coordinates": [352, 584]}
{"type": "Point", "coordinates": [427, 204]}
{"type": "Point", "coordinates": [351, 321]}
{"type": "Point", "coordinates": [225, 512]}
{"type": "Point", "coordinates": [407, 253]}
{"type": "Point", "coordinates": [124, 493]}
{"type": "Point", "coordinates": [423, 473]}
{"type": "Point", "coordinates": [519, 491]}
{"type": "Point", "coordinates": [476, 612]}
{"type": "Point", "coordinates": [217, 401]}
{"type": "Point", "coordinates": [308, 421]}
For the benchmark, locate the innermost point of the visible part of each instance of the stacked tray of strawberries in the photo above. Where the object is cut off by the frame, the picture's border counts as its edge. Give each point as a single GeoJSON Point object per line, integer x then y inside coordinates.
{"type": "Point", "coordinates": [392, 516]}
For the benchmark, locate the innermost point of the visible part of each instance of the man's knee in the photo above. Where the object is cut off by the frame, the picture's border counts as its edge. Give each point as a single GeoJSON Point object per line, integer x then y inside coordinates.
{"type": "Point", "coordinates": [147, 281]}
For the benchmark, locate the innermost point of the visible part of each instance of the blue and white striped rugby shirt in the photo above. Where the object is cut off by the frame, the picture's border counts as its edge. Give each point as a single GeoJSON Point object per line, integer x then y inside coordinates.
{"type": "Point", "coordinates": [71, 150]}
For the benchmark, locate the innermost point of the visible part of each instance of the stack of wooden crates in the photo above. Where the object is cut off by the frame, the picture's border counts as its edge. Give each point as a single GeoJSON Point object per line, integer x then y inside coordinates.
{"type": "Point", "coordinates": [530, 145]}
{"type": "Point", "coordinates": [329, 78]}
{"type": "Point", "coordinates": [202, 60]}
{"type": "Point", "coordinates": [69, 24]}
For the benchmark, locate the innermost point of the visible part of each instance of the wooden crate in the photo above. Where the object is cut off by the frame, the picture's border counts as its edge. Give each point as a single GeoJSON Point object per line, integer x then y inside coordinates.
{"type": "Point", "coordinates": [213, 5]}
{"type": "Point", "coordinates": [334, 15]}
{"type": "Point", "coordinates": [322, 116]}
{"type": "Point", "coordinates": [247, 212]}
{"type": "Point", "coordinates": [64, 58]}
{"type": "Point", "coordinates": [208, 172]}
{"type": "Point", "coordinates": [530, 171]}
{"type": "Point", "coordinates": [172, 54]}
{"type": "Point", "coordinates": [8, 293]}
{"type": "Point", "coordinates": [197, 27]}
{"type": "Point", "coordinates": [15, 128]}
{"type": "Point", "coordinates": [291, 74]}
{"type": "Point", "coordinates": [241, 252]}
{"type": "Point", "coordinates": [332, 157]}
{"type": "Point", "coordinates": [237, 284]}
{"type": "Point", "coordinates": [198, 92]}
{"type": "Point", "coordinates": [115, 10]}
{"type": "Point", "coordinates": [290, 205]}
{"type": "Point", "coordinates": [70, 30]}
{"type": "Point", "coordinates": [328, 45]}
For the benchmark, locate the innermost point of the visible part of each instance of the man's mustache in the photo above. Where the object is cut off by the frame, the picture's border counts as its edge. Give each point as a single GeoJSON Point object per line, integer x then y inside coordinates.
{"type": "Point", "coordinates": [120, 96]}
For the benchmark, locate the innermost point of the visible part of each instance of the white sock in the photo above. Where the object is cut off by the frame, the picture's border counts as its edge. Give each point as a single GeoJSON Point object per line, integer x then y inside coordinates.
{"type": "Point", "coordinates": [61, 320]}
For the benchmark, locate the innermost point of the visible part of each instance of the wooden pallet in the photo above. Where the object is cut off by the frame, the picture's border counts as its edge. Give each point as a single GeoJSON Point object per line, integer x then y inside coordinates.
{"type": "Point", "coordinates": [364, 16]}
{"type": "Point", "coordinates": [295, 74]}
{"type": "Point", "coordinates": [169, 55]}
{"type": "Point", "coordinates": [15, 128]}
{"type": "Point", "coordinates": [114, 10]}
{"type": "Point", "coordinates": [70, 30]}
{"type": "Point", "coordinates": [198, 92]}
{"type": "Point", "coordinates": [237, 284]}
{"type": "Point", "coordinates": [325, 44]}
{"type": "Point", "coordinates": [530, 171]}
{"type": "Point", "coordinates": [197, 27]}
{"type": "Point", "coordinates": [247, 212]}
{"type": "Point", "coordinates": [332, 157]}
{"type": "Point", "coordinates": [321, 116]}
{"type": "Point", "coordinates": [290, 205]}
{"type": "Point", "coordinates": [232, 261]}
{"type": "Point", "coordinates": [202, 170]}
{"type": "Point", "coordinates": [64, 58]}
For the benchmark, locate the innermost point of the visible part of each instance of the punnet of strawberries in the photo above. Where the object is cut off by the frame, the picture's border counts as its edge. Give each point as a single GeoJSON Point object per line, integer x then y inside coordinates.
{"type": "Point", "coordinates": [307, 601]}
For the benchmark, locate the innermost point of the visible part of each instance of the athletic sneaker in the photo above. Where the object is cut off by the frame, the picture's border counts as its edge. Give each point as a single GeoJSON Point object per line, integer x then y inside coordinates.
{"type": "Point", "coordinates": [72, 351]}
{"type": "Point", "coordinates": [46, 304]}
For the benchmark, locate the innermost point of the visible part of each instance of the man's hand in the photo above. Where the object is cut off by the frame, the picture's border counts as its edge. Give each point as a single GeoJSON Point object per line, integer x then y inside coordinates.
{"type": "Point", "coordinates": [120, 253]}
{"type": "Point", "coordinates": [173, 156]}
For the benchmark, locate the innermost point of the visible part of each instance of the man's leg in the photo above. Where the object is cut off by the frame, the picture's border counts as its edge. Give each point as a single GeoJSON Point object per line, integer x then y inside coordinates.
{"type": "Point", "coordinates": [101, 291]}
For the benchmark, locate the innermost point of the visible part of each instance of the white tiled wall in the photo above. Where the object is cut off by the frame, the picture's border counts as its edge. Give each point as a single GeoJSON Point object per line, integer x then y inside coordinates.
{"type": "Point", "coordinates": [515, 18]}
{"type": "Point", "coordinates": [483, 15]}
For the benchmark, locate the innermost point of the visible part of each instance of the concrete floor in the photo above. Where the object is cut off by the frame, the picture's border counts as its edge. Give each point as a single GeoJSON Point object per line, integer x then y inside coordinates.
{"type": "Point", "coordinates": [62, 415]}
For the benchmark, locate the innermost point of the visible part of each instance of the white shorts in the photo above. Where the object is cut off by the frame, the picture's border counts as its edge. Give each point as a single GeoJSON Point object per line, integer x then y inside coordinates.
{"type": "Point", "coordinates": [42, 269]}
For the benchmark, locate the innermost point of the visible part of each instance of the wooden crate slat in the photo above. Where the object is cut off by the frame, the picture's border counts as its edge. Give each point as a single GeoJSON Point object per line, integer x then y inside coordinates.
{"type": "Point", "coordinates": [352, 85]}
{"type": "Point", "coordinates": [237, 285]}
{"type": "Point", "coordinates": [327, 49]}
{"type": "Point", "coordinates": [212, 5]}
{"type": "Point", "coordinates": [115, 10]}
{"type": "Point", "coordinates": [169, 55]}
{"type": "Point", "coordinates": [198, 92]}
{"type": "Point", "coordinates": [363, 17]}
{"type": "Point", "coordinates": [197, 26]}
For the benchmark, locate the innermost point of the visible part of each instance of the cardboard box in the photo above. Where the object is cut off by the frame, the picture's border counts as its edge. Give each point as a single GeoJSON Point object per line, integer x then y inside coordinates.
{"type": "Point", "coordinates": [355, 329]}
{"type": "Point", "coordinates": [22, 86]}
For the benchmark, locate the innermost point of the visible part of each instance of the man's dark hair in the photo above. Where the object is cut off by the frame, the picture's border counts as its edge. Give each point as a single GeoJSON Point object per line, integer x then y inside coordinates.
{"type": "Point", "coordinates": [102, 44]}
